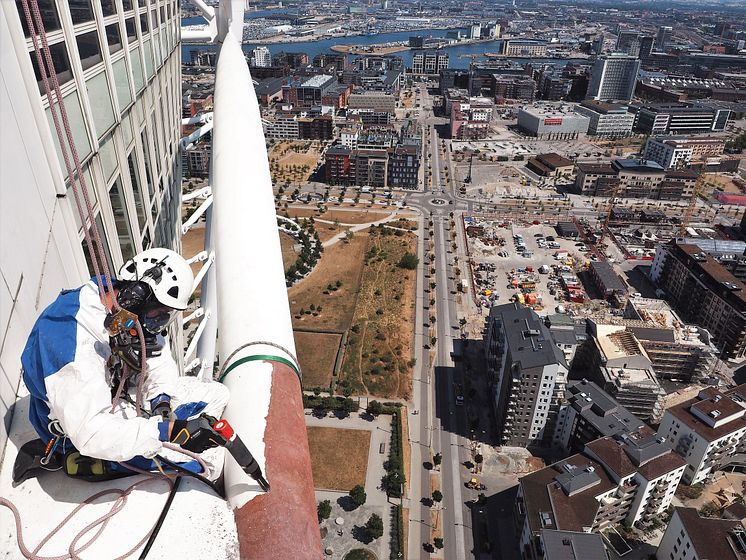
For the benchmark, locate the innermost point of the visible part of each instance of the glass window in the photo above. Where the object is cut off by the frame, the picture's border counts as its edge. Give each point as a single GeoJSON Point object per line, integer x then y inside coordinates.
{"type": "Point", "coordinates": [146, 151]}
{"type": "Point", "coordinates": [146, 240]}
{"type": "Point", "coordinates": [141, 3]}
{"type": "Point", "coordinates": [129, 27]}
{"type": "Point", "coordinates": [126, 128]}
{"type": "Point", "coordinates": [144, 23]}
{"type": "Point", "coordinates": [113, 38]}
{"type": "Point", "coordinates": [61, 64]}
{"type": "Point", "coordinates": [88, 49]}
{"type": "Point", "coordinates": [137, 69]}
{"type": "Point", "coordinates": [80, 10]}
{"type": "Point", "coordinates": [107, 153]}
{"type": "Point", "coordinates": [77, 126]}
{"type": "Point", "coordinates": [154, 17]}
{"type": "Point", "coordinates": [108, 7]}
{"type": "Point", "coordinates": [48, 12]}
{"type": "Point", "coordinates": [122, 82]}
{"type": "Point", "coordinates": [136, 190]}
{"type": "Point", "coordinates": [107, 251]}
{"type": "Point", "coordinates": [148, 52]}
{"type": "Point", "coordinates": [121, 219]}
{"type": "Point", "coordinates": [99, 97]}
{"type": "Point", "coordinates": [126, 5]}
{"type": "Point", "coordinates": [91, 195]}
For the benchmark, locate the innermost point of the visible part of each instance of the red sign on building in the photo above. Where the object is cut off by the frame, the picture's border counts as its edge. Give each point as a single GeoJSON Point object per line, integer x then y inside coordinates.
{"type": "Point", "coordinates": [552, 121]}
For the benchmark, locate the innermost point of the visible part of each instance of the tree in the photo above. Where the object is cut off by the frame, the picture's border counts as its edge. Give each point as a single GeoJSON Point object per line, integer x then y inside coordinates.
{"type": "Point", "coordinates": [438, 541]}
{"type": "Point", "coordinates": [374, 408]}
{"type": "Point", "coordinates": [374, 526]}
{"type": "Point", "coordinates": [409, 261]}
{"type": "Point", "coordinates": [437, 496]}
{"type": "Point", "coordinates": [349, 235]}
{"type": "Point", "coordinates": [358, 495]}
{"type": "Point", "coordinates": [437, 459]}
{"type": "Point", "coordinates": [324, 510]}
{"type": "Point", "coordinates": [478, 458]}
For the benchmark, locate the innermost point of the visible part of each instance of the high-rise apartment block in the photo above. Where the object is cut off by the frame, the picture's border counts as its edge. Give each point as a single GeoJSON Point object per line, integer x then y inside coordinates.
{"type": "Point", "coordinates": [528, 373]}
{"type": "Point", "coordinates": [663, 37]}
{"type": "Point", "coordinates": [703, 292]}
{"type": "Point", "coordinates": [613, 77]}
{"type": "Point", "coordinates": [628, 42]}
{"type": "Point", "coordinates": [261, 57]}
{"type": "Point", "coordinates": [708, 430]}
{"type": "Point", "coordinates": [429, 62]}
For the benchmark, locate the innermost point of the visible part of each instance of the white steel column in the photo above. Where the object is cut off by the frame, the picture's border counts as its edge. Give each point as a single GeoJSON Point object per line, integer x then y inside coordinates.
{"type": "Point", "coordinates": [250, 279]}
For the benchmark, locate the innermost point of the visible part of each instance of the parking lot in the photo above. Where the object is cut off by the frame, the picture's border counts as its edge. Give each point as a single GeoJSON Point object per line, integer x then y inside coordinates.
{"type": "Point", "coordinates": [505, 265]}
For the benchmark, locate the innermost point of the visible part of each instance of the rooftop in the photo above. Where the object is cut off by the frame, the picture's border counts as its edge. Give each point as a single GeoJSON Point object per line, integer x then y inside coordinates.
{"type": "Point", "coordinates": [608, 276]}
{"type": "Point", "coordinates": [640, 165]}
{"type": "Point", "coordinates": [711, 538]}
{"type": "Point", "coordinates": [702, 425]}
{"type": "Point", "coordinates": [600, 410]}
{"type": "Point", "coordinates": [570, 545]}
{"type": "Point", "coordinates": [603, 106]}
{"type": "Point", "coordinates": [528, 338]}
{"type": "Point", "coordinates": [647, 456]}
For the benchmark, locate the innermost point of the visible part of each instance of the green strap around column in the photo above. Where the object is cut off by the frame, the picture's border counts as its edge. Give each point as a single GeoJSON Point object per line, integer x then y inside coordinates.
{"type": "Point", "coordinates": [260, 357]}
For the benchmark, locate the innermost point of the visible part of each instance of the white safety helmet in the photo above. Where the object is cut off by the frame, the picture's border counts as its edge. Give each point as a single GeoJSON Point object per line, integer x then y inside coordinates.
{"type": "Point", "coordinates": [165, 271]}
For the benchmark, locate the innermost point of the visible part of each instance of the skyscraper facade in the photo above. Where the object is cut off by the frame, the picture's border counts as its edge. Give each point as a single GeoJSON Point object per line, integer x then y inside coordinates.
{"type": "Point", "coordinates": [613, 77]}
{"type": "Point", "coordinates": [118, 68]}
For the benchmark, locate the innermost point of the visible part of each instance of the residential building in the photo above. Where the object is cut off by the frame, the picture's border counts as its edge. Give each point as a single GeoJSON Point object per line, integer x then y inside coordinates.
{"type": "Point", "coordinates": [591, 413]}
{"type": "Point", "coordinates": [708, 430]}
{"type": "Point", "coordinates": [404, 165]}
{"type": "Point", "coordinates": [429, 62]}
{"type": "Point", "coordinates": [261, 57]}
{"type": "Point", "coordinates": [647, 470]}
{"type": "Point", "coordinates": [203, 58]}
{"type": "Point", "coordinates": [611, 482]}
{"type": "Point", "coordinates": [677, 350]}
{"type": "Point", "coordinates": [382, 102]}
{"type": "Point", "coordinates": [370, 168]}
{"type": "Point", "coordinates": [550, 122]}
{"type": "Point", "coordinates": [371, 117]}
{"type": "Point", "coordinates": [282, 125]}
{"type": "Point", "coordinates": [336, 97]}
{"type": "Point", "coordinates": [682, 152]}
{"type": "Point", "coordinates": [348, 136]}
{"type": "Point", "coordinates": [728, 252]}
{"type": "Point", "coordinates": [513, 87]}
{"type": "Point", "coordinates": [554, 86]}
{"type": "Point", "coordinates": [269, 90]}
{"type": "Point", "coordinates": [617, 362]}
{"type": "Point", "coordinates": [527, 373]}
{"type": "Point", "coordinates": [475, 31]}
{"type": "Point", "coordinates": [198, 160]}
{"type": "Point", "coordinates": [524, 47]}
{"type": "Point", "coordinates": [613, 77]}
{"type": "Point", "coordinates": [567, 333]}
{"type": "Point", "coordinates": [472, 119]}
{"type": "Point", "coordinates": [689, 536]}
{"type": "Point", "coordinates": [679, 118]}
{"type": "Point", "coordinates": [331, 61]}
{"type": "Point", "coordinates": [316, 127]}
{"type": "Point", "coordinates": [703, 292]}
{"type": "Point", "coordinates": [294, 60]}
{"type": "Point", "coordinates": [633, 178]}
{"type": "Point", "coordinates": [607, 120]}
{"type": "Point", "coordinates": [606, 281]}
{"type": "Point", "coordinates": [570, 545]}
{"type": "Point", "coordinates": [338, 165]}
{"type": "Point", "coordinates": [550, 165]}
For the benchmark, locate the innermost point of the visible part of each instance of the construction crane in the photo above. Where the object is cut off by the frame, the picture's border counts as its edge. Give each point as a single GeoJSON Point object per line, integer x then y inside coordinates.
{"type": "Point", "coordinates": [689, 210]}
{"type": "Point", "coordinates": [609, 209]}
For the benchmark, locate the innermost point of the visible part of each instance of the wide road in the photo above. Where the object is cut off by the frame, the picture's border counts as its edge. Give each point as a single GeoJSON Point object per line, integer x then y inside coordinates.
{"type": "Point", "coordinates": [440, 421]}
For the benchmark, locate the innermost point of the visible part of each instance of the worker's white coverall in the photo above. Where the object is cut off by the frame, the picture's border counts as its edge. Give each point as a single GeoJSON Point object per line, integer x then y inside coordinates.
{"type": "Point", "coordinates": [64, 368]}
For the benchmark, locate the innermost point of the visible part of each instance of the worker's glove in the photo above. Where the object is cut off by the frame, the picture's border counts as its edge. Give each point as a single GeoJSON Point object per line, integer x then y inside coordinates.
{"type": "Point", "coordinates": [196, 435]}
{"type": "Point", "coordinates": [161, 406]}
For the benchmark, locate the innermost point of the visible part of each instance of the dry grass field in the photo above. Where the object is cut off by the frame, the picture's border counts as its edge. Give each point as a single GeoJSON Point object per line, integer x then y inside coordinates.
{"type": "Point", "coordinates": [341, 262]}
{"type": "Point", "coordinates": [318, 356]}
{"type": "Point", "coordinates": [339, 458]}
{"type": "Point", "coordinates": [377, 357]}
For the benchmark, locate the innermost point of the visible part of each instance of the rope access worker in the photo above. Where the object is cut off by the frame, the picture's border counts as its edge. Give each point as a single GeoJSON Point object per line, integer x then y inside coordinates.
{"type": "Point", "coordinates": [85, 382]}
